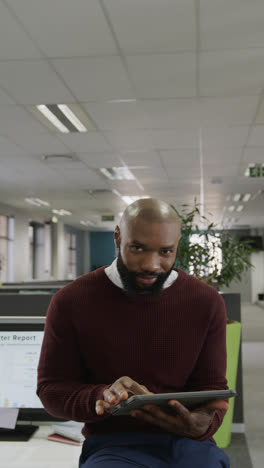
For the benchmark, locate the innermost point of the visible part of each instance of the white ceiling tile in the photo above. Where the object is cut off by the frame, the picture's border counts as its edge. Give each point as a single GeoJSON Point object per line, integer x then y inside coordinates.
{"type": "Point", "coordinates": [179, 171]}
{"type": "Point", "coordinates": [197, 113]}
{"type": "Point", "coordinates": [232, 72]}
{"type": "Point", "coordinates": [221, 155]}
{"type": "Point", "coordinates": [16, 121]}
{"type": "Point", "coordinates": [228, 24]}
{"type": "Point", "coordinates": [85, 142]}
{"type": "Point", "coordinates": [151, 174]}
{"type": "Point", "coordinates": [131, 141]}
{"type": "Point", "coordinates": [254, 155]}
{"type": "Point", "coordinates": [224, 137]}
{"type": "Point", "coordinates": [97, 160]}
{"type": "Point", "coordinates": [33, 82]}
{"type": "Point", "coordinates": [84, 178]}
{"type": "Point", "coordinates": [41, 144]}
{"type": "Point", "coordinates": [152, 26]}
{"type": "Point", "coordinates": [14, 42]}
{"type": "Point", "coordinates": [163, 76]}
{"type": "Point", "coordinates": [5, 100]}
{"type": "Point", "coordinates": [97, 78]}
{"type": "Point", "coordinates": [8, 148]}
{"type": "Point", "coordinates": [256, 137]}
{"type": "Point", "coordinates": [181, 157]}
{"type": "Point", "coordinates": [170, 139]}
{"type": "Point", "coordinates": [150, 159]}
{"type": "Point", "coordinates": [74, 28]}
{"type": "Point", "coordinates": [117, 116]}
{"type": "Point", "coordinates": [220, 170]}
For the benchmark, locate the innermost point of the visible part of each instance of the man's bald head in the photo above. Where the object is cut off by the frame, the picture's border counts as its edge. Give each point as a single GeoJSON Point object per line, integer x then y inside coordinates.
{"type": "Point", "coordinates": [151, 210]}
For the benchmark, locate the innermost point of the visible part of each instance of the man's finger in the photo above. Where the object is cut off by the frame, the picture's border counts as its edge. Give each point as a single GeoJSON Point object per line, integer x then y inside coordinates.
{"type": "Point", "coordinates": [183, 412]}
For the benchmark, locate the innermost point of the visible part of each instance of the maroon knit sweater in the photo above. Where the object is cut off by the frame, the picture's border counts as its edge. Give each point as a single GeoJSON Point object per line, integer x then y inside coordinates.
{"type": "Point", "coordinates": [95, 334]}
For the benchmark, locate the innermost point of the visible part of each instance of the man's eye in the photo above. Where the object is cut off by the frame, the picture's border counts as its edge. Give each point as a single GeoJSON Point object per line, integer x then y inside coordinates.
{"type": "Point", "coordinates": [167, 251]}
{"type": "Point", "coordinates": [136, 248]}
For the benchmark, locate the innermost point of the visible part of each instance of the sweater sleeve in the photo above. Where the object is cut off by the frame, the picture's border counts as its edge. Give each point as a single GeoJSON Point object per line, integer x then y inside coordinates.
{"type": "Point", "coordinates": [209, 372]}
{"type": "Point", "coordinates": [61, 386]}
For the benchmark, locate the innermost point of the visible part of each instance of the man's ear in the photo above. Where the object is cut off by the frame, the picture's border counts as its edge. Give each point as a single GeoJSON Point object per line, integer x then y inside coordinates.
{"type": "Point", "coordinates": [117, 237]}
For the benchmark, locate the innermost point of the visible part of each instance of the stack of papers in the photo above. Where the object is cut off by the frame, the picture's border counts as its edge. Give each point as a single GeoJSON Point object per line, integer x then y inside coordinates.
{"type": "Point", "coordinates": [68, 432]}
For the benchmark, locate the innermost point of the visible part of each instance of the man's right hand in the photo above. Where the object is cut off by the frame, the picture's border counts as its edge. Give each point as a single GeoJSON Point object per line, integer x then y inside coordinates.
{"type": "Point", "coordinates": [119, 391]}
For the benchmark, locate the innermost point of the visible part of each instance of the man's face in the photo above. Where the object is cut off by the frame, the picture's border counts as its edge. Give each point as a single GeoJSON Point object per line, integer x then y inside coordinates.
{"type": "Point", "coordinates": [146, 256]}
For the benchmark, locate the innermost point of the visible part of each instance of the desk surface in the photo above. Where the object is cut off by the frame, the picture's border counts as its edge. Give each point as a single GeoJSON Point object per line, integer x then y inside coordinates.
{"type": "Point", "coordinates": [39, 452]}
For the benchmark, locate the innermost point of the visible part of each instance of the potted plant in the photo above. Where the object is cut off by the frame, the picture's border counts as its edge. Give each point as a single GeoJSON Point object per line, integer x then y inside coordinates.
{"type": "Point", "coordinates": [217, 258]}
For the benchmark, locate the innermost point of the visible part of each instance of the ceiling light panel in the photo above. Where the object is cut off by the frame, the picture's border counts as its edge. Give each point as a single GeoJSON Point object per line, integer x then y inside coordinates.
{"type": "Point", "coordinates": [52, 118]}
{"type": "Point", "coordinates": [66, 118]}
{"type": "Point", "coordinates": [117, 173]}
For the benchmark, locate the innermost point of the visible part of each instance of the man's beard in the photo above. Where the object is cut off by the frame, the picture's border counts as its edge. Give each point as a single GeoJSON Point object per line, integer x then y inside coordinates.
{"type": "Point", "coordinates": [131, 287]}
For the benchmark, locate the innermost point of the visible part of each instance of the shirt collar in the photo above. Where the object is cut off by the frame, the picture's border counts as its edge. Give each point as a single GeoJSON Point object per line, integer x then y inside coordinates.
{"type": "Point", "coordinates": [114, 276]}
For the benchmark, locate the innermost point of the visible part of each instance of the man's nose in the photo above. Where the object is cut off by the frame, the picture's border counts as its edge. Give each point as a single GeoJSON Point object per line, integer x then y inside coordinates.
{"type": "Point", "coordinates": [151, 262]}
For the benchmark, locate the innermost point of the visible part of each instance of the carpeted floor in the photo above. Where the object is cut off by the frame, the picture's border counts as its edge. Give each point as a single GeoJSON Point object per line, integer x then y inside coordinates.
{"type": "Point", "coordinates": [238, 452]}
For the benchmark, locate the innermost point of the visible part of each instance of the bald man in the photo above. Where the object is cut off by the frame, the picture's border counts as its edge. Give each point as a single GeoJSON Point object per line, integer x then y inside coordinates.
{"type": "Point", "coordinates": [138, 326]}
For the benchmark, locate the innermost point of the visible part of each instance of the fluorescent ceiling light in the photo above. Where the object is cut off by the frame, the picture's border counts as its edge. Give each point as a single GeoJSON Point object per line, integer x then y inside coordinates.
{"type": "Point", "coordinates": [240, 208]}
{"type": "Point", "coordinates": [72, 117]}
{"type": "Point", "coordinates": [237, 197]}
{"type": "Point", "coordinates": [231, 208]}
{"type": "Point", "coordinates": [87, 223]}
{"type": "Point", "coordinates": [52, 118]}
{"type": "Point", "coordinates": [37, 202]}
{"type": "Point", "coordinates": [117, 173]}
{"type": "Point", "coordinates": [246, 197]}
{"type": "Point", "coordinates": [61, 212]}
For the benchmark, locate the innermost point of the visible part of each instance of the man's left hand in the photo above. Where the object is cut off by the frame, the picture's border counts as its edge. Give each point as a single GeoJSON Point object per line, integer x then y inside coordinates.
{"type": "Point", "coordinates": [181, 421]}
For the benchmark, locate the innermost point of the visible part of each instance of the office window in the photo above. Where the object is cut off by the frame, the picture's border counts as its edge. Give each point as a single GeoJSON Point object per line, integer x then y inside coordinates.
{"type": "Point", "coordinates": [72, 257]}
{"type": "Point", "coordinates": [214, 246]}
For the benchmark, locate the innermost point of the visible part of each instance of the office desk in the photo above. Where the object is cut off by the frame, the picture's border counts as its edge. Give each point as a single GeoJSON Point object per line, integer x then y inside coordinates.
{"type": "Point", "coordinates": [39, 452]}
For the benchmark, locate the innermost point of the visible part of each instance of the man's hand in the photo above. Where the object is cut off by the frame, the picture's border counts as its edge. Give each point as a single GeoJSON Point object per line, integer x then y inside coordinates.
{"type": "Point", "coordinates": [181, 421]}
{"type": "Point", "coordinates": [119, 391]}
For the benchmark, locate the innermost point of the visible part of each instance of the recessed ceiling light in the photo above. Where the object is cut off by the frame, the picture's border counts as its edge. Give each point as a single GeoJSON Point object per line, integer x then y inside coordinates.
{"type": "Point", "coordinates": [240, 208]}
{"type": "Point", "coordinates": [246, 197]}
{"type": "Point", "coordinates": [117, 173]}
{"type": "Point", "coordinates": [62, 212]}
{"type": "Point", "coordinates": [87, 223]}
{"type": "Point", "coordinates": [72, 117]}
{"type": "Point", "coordinates": [231, 208]}
{"type": "Point", "coordinates": [65, 117]}
{"type": "Point", "coordinates": [52, 118]}
{"type": "Point", "coordinates": [236, 197]}
{"type": "Point", "coordinates": [37, 202]}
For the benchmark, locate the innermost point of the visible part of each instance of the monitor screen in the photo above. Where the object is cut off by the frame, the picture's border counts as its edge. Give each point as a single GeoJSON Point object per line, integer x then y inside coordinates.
{"type": "Point", "coordinates": [20, 346]}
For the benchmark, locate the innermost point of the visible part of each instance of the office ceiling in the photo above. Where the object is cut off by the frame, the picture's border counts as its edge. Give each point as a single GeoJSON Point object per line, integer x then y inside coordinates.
{"type": "Point", "coordinates": [190, 78]}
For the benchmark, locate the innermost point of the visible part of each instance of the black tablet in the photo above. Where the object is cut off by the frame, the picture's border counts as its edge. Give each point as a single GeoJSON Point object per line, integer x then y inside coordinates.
{"type": "Point", "coordinates": [190, 400]}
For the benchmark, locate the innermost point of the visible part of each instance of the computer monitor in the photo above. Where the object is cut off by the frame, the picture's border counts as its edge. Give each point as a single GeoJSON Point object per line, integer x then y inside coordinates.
{"type": "Point", "coordinates": [20, 345]}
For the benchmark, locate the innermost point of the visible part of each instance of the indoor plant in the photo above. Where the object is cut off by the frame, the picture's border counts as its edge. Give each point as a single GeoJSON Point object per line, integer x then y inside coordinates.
{"type": "Point", "coordinates": [200, 257]}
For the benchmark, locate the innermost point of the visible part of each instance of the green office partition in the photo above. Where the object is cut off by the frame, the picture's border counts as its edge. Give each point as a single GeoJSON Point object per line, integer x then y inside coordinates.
{"type": "Point", "coordinates": [233, 333]}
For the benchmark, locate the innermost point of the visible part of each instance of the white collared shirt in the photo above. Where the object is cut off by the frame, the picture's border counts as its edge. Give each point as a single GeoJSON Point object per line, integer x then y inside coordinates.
{"type": "Point", "coordinates": [113, 275]}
